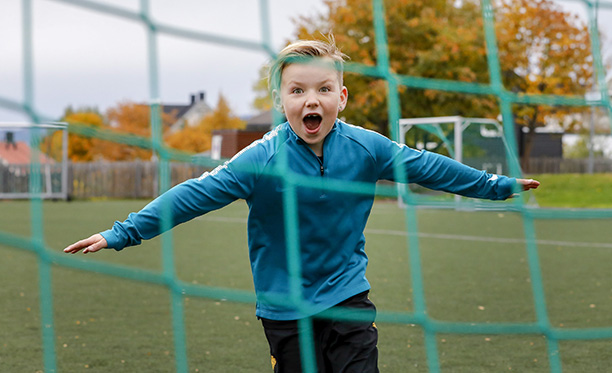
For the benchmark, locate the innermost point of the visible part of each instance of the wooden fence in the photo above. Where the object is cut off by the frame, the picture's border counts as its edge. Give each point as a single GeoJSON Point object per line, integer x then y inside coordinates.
{"type": "Point", "coordinates": [123, 179]}
{"type": "Point", "coordinates": [139, 179]}
{"type": "Point", "coordinates": [567, 166]}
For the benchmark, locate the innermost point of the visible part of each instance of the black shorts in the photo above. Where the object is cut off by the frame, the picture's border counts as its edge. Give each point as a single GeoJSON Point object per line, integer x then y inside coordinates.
{"type": "Point", "coordinates": [340, 346]}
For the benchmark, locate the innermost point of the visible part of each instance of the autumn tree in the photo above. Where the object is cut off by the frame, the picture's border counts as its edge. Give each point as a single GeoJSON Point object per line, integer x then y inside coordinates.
{"type": "Point", "coordinates": [80, 149]}
{"type": "Point", "coordinates": [262, 101]}
{"type": "Point", "coordinates": [198, 138]}
{"type": "Point", "coordinates": [135, 119]}
{"type": "Point", "coordinates": [426, 39]}
{"type": "Point", "coordinates": [542, 50]}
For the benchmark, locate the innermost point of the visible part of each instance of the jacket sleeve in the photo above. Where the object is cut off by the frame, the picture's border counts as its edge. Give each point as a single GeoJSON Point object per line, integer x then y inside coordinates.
{"type": "Point", "coordinates": [435, 171]}
{"type": "Point", "coordinates": [211, 191]}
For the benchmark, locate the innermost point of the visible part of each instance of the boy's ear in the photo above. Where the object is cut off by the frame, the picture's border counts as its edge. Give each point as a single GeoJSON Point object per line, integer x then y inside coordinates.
{"type": "Point", "coordinates": [343, 98]}
{"type": "Point", "coordinates": [277, 102]}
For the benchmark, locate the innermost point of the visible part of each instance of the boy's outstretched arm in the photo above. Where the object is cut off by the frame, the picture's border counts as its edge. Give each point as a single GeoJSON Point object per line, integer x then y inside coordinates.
{"type": "Point", "coordinates": [89, 245]}
{"type": "Point", "coordinates": [185, 201]}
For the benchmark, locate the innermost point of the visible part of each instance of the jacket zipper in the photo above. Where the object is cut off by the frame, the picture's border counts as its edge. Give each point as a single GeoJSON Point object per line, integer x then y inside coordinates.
{"type": "Point", "coordinates": [321, 169]}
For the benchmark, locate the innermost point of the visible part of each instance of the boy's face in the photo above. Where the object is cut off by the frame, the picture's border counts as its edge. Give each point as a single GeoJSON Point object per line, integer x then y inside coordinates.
{"type": "Point", "coordinates": [311, 97]}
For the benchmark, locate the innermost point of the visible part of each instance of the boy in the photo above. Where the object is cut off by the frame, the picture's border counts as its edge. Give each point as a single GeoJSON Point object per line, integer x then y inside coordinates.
{"type": "Point", "coordinates": [306, 84]}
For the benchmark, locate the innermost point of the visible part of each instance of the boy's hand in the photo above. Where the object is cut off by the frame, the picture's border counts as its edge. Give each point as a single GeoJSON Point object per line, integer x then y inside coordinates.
{"type": "Point", "coordinates": [90, 245]}
{"type": "Point", "coordinates": [528, 183]}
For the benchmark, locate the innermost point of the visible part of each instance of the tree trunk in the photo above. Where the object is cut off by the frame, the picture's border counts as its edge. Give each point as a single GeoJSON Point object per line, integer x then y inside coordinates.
{"type": "Point", "coordinates": [528, 143]}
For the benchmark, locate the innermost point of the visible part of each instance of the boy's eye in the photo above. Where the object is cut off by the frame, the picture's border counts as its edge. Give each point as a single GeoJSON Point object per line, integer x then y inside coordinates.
{"type": "Point", "coordinates": [325, 89]}
{"type": "Point", "coordinates": [297, 90]}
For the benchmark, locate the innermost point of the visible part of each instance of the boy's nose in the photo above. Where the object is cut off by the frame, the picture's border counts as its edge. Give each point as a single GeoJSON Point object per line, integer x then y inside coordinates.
{"type": "Point", "coordinates": [312, 100]}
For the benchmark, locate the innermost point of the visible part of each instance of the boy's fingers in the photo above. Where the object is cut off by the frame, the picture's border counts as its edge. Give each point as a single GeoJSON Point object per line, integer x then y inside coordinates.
{"type": "Point", "coordinates": [532, 184]}
{"type": "Point", "coordinates": [529, 183]}
{"type": "Point", "coordinates": [91, 244]}
{"type": "Point", "coordinates": [95, 247]}
{"type": "Point", "coordinates": [75, 247]}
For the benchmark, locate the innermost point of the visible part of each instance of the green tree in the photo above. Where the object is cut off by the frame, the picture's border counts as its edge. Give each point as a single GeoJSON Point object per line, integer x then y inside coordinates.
{"type": "Point", "coordinates": [580, 148]}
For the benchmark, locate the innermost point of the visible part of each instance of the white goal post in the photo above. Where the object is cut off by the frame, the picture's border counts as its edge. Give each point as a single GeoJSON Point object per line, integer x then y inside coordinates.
{"type": "Point", "coordinates": [25, 171]}
{"type": "Point", "coordinates": [460, 124]}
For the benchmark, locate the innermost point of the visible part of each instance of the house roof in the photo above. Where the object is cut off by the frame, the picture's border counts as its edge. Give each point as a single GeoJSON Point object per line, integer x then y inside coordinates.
{"type": "Point", "coordinates": [177, 110]}
{"type": "Point", "coordinates": [260, 122]}
{"type": "Point", "coordinates": [263, 118]}
{"type": "Point", "coordinates": [189, 114]}
{"type": "Point", "coordinates": [19, 153]}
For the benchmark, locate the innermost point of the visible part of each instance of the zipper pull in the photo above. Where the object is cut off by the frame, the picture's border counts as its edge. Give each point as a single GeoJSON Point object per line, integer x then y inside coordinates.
{"type": "Point", "coordinates": [322, 170]}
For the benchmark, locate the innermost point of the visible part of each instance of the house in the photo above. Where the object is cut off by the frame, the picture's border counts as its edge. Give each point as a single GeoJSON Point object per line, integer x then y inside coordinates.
{"type": "Point", "coordinates": [227, 143]}
{"type": "Point", "coordinates": [260, 122]}
{"type": "Point", "coordinates": [188, 115]}
{"type": "Point", "coordinates": [15, 159]}
{"type": "Point", "coordinates": [19, 153]}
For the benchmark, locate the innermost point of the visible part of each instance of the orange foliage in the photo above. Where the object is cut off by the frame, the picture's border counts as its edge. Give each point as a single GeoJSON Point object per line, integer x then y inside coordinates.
{"type": "Point", "coordinates": [197, 139]}
{"type": "Point", "coordinates": [431, 39]}
{"type": "Point", "coordinates": [542, 49]}
{"type": "Point", "coordinates": [132, 118]}
{"type": "Point", "coordinates": [80, 149]}
{"type": "Point", "coordinates": [262, 101]}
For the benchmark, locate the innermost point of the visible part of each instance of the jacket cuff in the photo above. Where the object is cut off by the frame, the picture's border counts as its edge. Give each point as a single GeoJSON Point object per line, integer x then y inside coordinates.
{"type": "Point", "coordinates": [506, 187]}
{"type": "Point", "coordinates": [112, 240]}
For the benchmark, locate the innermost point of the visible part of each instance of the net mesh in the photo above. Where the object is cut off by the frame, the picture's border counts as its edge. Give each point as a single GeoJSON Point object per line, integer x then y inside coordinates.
{"type": "Point", "coordinates": [49, 257]}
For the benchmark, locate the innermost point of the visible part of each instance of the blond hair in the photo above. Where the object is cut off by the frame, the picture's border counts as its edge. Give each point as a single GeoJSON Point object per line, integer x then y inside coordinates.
{"type": "Point", "coordinates": [303, 51]}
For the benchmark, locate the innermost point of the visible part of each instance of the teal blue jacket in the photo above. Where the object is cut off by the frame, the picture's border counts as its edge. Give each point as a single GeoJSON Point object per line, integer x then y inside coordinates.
{"type": "Point", "coordinates": [280, 174]}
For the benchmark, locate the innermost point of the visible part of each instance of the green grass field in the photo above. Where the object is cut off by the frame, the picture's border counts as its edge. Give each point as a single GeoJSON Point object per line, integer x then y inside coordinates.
{"type": "Point", "coordinates": [474, 267]}
{"type": "Point", "coordinates": [575, 190]}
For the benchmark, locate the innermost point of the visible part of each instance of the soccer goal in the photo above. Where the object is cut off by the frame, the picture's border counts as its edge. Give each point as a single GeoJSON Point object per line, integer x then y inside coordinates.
{"type": "Point", "coordinates": [33, 161]}
{"type": "Point", "coordinates": [476, 142]}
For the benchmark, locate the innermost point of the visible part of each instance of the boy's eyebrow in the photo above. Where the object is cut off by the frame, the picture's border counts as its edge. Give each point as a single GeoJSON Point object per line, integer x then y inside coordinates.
{"type": "Point", "coordinates": [310, 80]}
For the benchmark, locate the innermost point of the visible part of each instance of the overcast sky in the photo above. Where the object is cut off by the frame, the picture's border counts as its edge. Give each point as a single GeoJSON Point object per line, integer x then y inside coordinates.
{"type": "Point", "coordinates": [84, 58]}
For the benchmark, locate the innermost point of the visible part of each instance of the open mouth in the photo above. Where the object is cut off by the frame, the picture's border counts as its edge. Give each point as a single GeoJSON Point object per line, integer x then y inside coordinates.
{"type": "Point", "coordinates": [312, 122]}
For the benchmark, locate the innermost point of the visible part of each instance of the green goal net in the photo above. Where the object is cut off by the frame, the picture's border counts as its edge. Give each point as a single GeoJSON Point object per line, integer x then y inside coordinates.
{"type": "Point", "coordinates": [49, 257]}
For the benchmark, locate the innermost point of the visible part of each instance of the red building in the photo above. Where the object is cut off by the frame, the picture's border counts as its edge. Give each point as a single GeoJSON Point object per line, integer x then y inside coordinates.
{"type": "Point", "coordinates": [226, 143]}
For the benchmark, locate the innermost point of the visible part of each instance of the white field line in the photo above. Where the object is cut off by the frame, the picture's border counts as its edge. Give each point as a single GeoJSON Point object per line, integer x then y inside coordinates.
{"type": "Point", "coordinates": [441, 236]}
{"type": "Point", "coordinates": [491, 239]}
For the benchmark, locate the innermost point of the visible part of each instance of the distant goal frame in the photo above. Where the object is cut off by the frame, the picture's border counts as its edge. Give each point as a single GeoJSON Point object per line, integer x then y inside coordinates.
{"type": "Point", "coordinates": [46, 190]}
{"type": "Point", "coordinates": [455, 149]}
